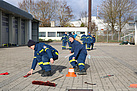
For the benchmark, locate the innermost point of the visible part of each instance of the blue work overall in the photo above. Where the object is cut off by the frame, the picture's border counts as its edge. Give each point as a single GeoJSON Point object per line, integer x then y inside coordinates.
{"type": "Point", "coordinates": [42, 55]}
{"type": "Point", "coordinates": [80, 54]}
{"type": "Point", "coordinates": [89, 41]}
{"type": "Point", "coordinates": [64, 41]}
{"type": "Point", "coordinates": [84, 40]}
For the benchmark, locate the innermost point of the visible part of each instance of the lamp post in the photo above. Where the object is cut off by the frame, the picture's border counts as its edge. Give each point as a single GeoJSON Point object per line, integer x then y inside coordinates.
{"type": "Point", "coordinates": [89, 15]}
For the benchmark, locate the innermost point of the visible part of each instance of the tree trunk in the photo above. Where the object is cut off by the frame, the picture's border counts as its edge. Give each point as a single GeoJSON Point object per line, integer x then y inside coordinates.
{"type": "Point", "coordinates": [112, 36]}
{"type": "Point", "coordinates": [119, 36]}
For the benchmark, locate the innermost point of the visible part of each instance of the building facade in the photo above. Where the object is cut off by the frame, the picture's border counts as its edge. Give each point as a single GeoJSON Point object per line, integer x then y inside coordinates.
{"type": "Point", "coordinates": [56, 33]}
{"type": "Point", "coordinates": [99, 23]}
{"type": "Point", "coordinates": [16, 25]}
{"type": "Point", "coordinates": [135, 19]}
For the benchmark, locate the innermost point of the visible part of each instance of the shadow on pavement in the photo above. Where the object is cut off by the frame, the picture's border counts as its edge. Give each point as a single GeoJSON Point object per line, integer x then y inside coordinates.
{"type": "Point", "coordinates": [87, 66]}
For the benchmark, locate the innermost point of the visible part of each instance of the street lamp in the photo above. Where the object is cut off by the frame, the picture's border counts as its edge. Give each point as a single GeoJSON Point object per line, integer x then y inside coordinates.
{"type": "Point", "coordinates": [89, 15]}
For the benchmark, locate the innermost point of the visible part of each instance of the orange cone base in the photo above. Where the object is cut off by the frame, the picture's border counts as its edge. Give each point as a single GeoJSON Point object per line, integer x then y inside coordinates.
{"type": "Point", "coordinates": [71, 74]}
{"type": "Point", "coordinates": [133, 85]}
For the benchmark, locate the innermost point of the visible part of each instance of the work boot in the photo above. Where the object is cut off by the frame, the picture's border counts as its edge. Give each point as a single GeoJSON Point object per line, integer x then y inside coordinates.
{"type": "Point", "coordinates": [41, 71]}
{"type": "Point", "coordinates": [46, 73]}
{"type": "Point", "coordinates": [76, 69]}
{"type": "Point", "coordinates": [82, 72]}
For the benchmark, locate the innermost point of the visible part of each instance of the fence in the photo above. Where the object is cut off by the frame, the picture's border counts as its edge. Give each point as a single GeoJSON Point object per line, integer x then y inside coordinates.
{"type": "Point", "coordinates": [109, 38]}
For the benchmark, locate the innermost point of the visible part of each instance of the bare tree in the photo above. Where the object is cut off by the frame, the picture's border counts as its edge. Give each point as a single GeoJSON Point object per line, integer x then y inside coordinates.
{"type": "Point", "coordinates": [125, 12]}
{"type": "Point", "coordinates": [64, 13]}
{"type": "Point", "coordinates": [94, 28]}
{"type": "Point", "coordinates": [28, 6]}
{"type": "Point", "coordinates": [117, 12]}
{"type": "Point", "coordinates": [47, 10]}
{"type": "Point", "coordinates": [83, 17]}
{"type": "Point", "coordinates": [108, 13]}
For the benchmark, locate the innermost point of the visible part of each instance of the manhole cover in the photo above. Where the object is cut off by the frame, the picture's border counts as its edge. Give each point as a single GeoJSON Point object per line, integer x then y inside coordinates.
{"type": "Point", "coordinates": [80, 90]}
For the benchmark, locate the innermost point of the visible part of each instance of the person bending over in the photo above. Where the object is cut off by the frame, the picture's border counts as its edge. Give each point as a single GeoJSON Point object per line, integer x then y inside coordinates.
{"type": "Point", "coordinates": [44, 55]}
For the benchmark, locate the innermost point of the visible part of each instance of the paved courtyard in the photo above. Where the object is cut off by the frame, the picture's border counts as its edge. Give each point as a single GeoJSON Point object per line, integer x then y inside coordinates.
{"type": "Point", "coordinates": [105, 59]}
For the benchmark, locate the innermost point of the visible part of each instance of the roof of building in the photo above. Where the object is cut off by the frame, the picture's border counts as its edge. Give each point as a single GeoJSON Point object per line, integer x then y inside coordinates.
{"type": "Point", "coordinates": [4, 6]}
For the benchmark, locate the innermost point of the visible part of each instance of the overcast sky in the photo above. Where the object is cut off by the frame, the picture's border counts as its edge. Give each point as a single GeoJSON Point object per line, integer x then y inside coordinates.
{"type": "Point", "coordinates": [76, 5]}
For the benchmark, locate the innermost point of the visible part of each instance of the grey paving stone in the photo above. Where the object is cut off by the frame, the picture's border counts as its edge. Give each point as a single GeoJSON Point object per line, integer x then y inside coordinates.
{"type": "Point", "coordinates": [104, 60]}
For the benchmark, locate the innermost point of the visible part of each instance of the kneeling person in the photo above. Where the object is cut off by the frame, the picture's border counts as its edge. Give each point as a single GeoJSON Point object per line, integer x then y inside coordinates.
{"type": "Point", "coordinates": [43, 55]}
{"type": "Point", "coordinates": [80, 54]}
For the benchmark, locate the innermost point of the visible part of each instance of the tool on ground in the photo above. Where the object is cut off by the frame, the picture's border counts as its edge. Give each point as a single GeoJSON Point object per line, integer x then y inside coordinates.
{"type": "Point", "coordinates": [68, 55]}
{"type": "Point", "coordinates": [89, 83]}
{"type": "Point", "coordinates": [71, 73]}
{"type": "Point", "coordinates": [6, 73]}
{"type": "Point", "coordinates": [133, 86]}
{"type": "Point", "coordinates": [27, 75]}
{"type": "Point", "coordinates": [106, 76]}
{"type": "Point", "coordinates": [48, 83]}
{"type": "Point", "coordinates": [44, 83]}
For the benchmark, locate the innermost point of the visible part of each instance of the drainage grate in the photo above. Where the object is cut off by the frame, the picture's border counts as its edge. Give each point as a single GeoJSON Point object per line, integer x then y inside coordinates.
{"type": "Point", "coordinates": [80, 90]}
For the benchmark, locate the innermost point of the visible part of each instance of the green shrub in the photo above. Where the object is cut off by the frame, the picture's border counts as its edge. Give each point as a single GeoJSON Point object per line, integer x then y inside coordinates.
{"type": "Point", "coordinates": [40, 40]}
{"type": "Point", "coordinates": [50, 40]}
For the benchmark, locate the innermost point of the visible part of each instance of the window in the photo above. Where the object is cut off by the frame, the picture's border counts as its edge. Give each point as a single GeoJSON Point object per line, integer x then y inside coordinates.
{"type": "Point", "coordinates": [80, 32]}
{"type": "Point", "coordinates": [131, 24]}
{"type": "Point", "coordinates": [51, 34]}
{"type": "Point", "coordinates": [42, 34]}
{"type": "Point", "coordinates": [5, 24]}
{"type": "Point", "coordinates": [60, 34]}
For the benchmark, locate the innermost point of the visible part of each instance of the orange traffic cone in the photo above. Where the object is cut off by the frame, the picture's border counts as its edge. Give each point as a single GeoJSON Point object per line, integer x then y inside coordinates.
{"type": "Point", "coordinates": [133, 85]}
{"type": "Point", "coordinates": [71, 73]}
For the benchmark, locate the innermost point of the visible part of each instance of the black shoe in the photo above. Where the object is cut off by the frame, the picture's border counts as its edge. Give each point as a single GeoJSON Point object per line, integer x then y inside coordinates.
{"type": "Point", "coordinates": [76, 69]}
{"type": "Point", "coordinates": [46, 73]}
{"type": "Point", "coordinates": [82, 72]}
{"type": "Point", "coordinates": [41, 71]}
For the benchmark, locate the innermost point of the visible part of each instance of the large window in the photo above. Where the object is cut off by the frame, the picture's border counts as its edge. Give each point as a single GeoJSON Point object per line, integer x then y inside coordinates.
{"type": "Point", "coordinates": [42, 34]}
{"type": "Point", "coordinates": [60, 34]}
{"type": "Point", "coordinates": [51, 34]}
{"type": "Point", "coordinates": [80, 32]}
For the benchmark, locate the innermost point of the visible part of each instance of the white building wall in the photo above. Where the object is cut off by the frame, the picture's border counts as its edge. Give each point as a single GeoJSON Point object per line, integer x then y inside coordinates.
{"type": "Point", "coordinates": [60, 29]}
{"type": "Point", "coordinates": [135, 33]}
{"type": "Point", "coordinates": [99, 23]}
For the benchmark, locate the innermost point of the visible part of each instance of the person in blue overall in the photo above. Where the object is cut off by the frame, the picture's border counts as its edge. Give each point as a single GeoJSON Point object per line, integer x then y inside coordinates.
{"type": "Point", "coordinates": [44, 55]}
{"type": "Point", "coordinates": [80, 54]}
{"type": "Point", "coordinates": [89, 41]}
{"type": "Point", "coordinates": [64, 40]}
{"type": "Point", "coordinates": [93, 41]}
{"type": "Point", "coordinates": [69, 41]}
{"type": "Point", "coordinates": [75, 35]}
{"type": "Point", "coordinates": [84, 39]}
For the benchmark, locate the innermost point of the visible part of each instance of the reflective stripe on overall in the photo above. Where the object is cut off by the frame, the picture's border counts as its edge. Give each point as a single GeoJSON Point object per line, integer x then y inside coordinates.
{"type": "Point", "coordinates": [80, 60]}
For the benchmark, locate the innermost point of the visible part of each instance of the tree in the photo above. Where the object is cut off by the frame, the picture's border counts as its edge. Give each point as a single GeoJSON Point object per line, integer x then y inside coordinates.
{"type": "Point", "coordinates": [94, 27]}
{"type": "Point", "coordinates": [126, 10]}
{"type": "Point", "coordinates": [28, 6]}
{"type": "Point", "coordinates": [117, 12]}
{"type": "Point", "coordinates": [82, 25]}
{"type": "Point", "coordinates": [83, 17]}
{"type": "Point", "coordinates": [108, 13]}
{"type": "Point", "coordinates": [47, 10]}
{"type": "Point", "coordinates": [64, 13]}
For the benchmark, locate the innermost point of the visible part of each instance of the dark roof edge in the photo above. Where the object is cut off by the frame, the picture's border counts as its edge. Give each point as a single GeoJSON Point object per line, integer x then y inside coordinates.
{"type": "Point", "coordinates": [34, 19]}
{"type": "Point", "coordinates": [135, 18]}
{"type": "Point", "coordinates": [6, 6]}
